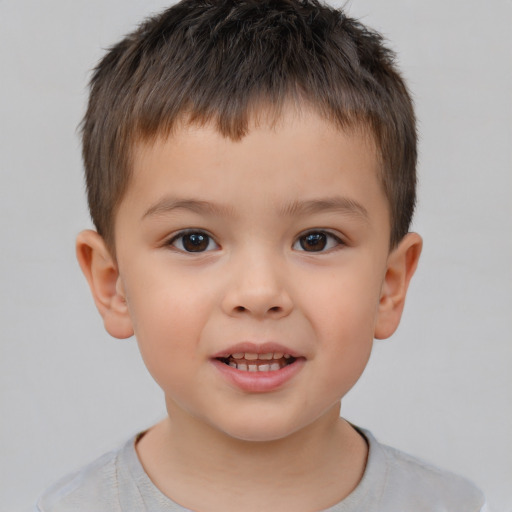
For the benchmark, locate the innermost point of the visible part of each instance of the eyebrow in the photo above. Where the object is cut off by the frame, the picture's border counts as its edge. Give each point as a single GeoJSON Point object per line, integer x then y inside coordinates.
{"type": "Point", "coordinates": [342, 205]}
{"type": "Point", "coordinates": [169, 204]}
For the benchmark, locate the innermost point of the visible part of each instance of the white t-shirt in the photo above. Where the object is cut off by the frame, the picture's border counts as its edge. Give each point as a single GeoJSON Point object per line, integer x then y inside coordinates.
{"type": "Point", "coordinates": [392, 482]}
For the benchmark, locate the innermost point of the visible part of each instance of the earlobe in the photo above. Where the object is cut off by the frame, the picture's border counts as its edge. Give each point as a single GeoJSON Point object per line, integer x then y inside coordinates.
{"type": "Point", "coordinates": [100, 270]}
{"type": "Point", "coordinates": [402, 263]}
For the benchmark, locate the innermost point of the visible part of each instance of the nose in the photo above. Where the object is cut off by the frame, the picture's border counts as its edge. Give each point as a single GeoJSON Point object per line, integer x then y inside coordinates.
{"type": "Point", "coordinates": [257, 288]}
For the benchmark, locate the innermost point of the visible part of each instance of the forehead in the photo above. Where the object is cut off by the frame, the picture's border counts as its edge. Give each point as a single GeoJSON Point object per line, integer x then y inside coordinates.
{"type": "Point", "coordinates": [296, 155]}
{"type": "Point", "coordinates": [296, 118]}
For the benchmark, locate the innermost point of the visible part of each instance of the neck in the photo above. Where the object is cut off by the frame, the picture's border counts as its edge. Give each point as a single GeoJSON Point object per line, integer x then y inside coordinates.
{"type": "Point", "coordinates": [203, 469]}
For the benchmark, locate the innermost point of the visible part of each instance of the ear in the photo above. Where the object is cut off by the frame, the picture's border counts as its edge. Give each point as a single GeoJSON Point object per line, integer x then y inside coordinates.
{"type": "Point", "coordinates": [402, 263]}
{"type": "Point", "coordinates": [100, 270]}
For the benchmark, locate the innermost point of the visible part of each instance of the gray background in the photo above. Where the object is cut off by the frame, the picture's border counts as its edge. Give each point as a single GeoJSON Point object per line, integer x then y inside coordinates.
{"type": "Point", "coordinates": [441, 388]}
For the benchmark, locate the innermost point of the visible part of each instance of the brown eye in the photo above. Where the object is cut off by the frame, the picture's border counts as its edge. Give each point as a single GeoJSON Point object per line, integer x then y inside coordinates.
{"type": "Point", "coordinates": [313, 241]}
{"type": "Point", "coordinates": [194, 241]}
{"type": "Point", "coordinates": [316, 241]}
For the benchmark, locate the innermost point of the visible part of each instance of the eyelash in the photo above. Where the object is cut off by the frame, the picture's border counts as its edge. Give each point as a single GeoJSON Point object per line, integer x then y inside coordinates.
{"type": "Point", "coordinates": [182, 234]}
{"type": "Point", "coordinates": [330, 241]}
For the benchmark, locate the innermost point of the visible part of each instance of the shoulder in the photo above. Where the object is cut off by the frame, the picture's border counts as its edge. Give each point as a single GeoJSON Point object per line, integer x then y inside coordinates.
{"type": "Point", "coordinates": [410, 483]}
{"type": "Point", "coordinates": [93, 488]}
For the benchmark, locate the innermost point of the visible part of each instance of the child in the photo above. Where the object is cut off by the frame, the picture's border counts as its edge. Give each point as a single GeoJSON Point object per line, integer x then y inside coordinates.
{"type": "Point", "coordinates": [250, 171]}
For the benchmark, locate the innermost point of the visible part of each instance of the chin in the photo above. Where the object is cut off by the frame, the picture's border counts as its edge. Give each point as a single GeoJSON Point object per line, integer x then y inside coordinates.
{"type": "Point", "coordinates": [261, 429]}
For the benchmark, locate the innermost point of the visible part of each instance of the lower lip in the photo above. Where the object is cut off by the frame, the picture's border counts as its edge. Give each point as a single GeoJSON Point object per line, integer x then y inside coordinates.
{"type": "Point", "coordinates": [259, 382]}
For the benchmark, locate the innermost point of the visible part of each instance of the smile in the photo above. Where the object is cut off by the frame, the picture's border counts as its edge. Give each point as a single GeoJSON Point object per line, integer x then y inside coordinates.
{"type": "Point", "coordinates": [252, 362]}
{"type": "Point", "coordinates": [258, 367]}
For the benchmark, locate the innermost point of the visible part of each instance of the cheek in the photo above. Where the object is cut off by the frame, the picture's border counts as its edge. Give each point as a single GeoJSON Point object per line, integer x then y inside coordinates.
{"type": "Point", "coordinates": [345, 303]}
{"type": "Point", "coordinates": [346, 345]}
{"type": "Point", "coordinates": [168, 319]}
{"type": "Point", "coordinates": [344, 320]}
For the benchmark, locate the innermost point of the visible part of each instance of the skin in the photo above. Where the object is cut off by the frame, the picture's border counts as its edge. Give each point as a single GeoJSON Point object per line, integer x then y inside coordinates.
{"type": "Point", "coordinates": [254, 200]}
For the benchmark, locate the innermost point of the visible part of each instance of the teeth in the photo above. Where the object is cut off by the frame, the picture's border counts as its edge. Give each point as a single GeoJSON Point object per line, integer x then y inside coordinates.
{"type": "Point", "coordinates": [255, 367]}
{"type": "Point", "coordinates": [251, 356]}
{"type": "Point", "coordinates": [252, 362]}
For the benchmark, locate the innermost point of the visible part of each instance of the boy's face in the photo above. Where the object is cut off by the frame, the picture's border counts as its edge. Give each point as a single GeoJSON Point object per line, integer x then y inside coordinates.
{"type": "Point", "coordinates": [275, 244]}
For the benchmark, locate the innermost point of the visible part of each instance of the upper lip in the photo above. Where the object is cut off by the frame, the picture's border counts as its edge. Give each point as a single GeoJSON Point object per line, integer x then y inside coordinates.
{"type": "Point", "coordinates": [249, 347]}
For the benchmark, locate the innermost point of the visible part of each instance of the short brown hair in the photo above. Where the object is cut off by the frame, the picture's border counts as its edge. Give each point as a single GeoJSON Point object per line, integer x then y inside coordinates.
{"type": "Point", "coordinates": [218, 61]}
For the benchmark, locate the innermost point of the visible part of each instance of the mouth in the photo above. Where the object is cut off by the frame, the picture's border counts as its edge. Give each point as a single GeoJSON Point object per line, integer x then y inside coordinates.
{"type": "Point", "coordinates": [258, 368]}
{"type": "Point", "coordinates": [252, 362]}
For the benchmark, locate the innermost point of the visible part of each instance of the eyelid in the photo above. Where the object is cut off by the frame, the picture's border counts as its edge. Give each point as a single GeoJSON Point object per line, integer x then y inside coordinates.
{"type": "Point", "coordinates": [339, 240]}
{"type": "Point", "coordinates": [189, 231]}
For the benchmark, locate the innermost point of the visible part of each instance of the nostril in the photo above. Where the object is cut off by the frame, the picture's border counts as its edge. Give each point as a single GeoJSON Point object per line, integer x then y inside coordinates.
{"type": "Point", "coordinates": [273, 309]}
